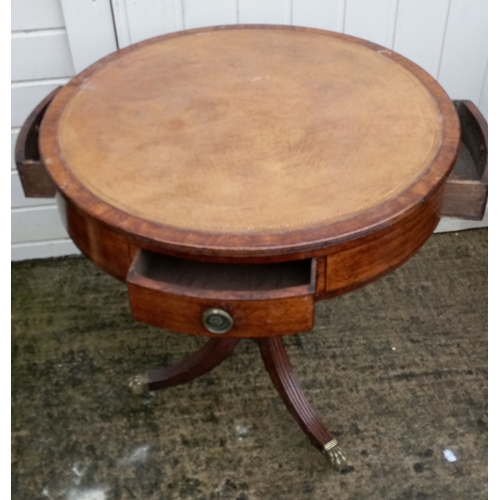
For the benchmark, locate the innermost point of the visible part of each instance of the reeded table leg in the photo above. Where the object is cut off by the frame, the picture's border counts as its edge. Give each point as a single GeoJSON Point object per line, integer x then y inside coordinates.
{"type": "Point", "coordinates": [212, 354]}
{"type": "Point", "coordinates": [278, 365]}
{"type": "Point", "coordinates": [281, 372]}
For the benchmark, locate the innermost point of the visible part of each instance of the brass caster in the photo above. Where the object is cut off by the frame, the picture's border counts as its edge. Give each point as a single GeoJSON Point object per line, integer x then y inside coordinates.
{"type": "Point", "coordinates": [139, 385]}
{"type": "Point", "coordinates": [337, 456]}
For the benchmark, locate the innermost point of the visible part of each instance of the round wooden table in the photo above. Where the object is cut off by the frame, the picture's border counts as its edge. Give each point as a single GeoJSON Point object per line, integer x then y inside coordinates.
{"type": "Point", "coordinates": [233, 176]}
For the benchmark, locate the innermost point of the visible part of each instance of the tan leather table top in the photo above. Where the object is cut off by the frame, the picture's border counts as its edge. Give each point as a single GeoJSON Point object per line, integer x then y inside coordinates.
{"type": "Point", "coordinates": [237, 131]}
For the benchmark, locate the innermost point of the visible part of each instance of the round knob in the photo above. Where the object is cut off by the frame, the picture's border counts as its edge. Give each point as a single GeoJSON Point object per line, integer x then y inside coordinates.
{"type": "Point", "coordinates": [217, 321]}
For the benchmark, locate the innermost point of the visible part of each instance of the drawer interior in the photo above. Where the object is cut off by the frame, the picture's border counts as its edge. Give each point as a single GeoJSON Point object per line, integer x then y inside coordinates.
{"type": "Point", "coordinates": [172, 274]}
{"type": "Point", "coordinates": [465, 167]}
{"type": "Point", "coordinates": [466, 189]}
{"type": "Point", "coordinates": [473, 155]}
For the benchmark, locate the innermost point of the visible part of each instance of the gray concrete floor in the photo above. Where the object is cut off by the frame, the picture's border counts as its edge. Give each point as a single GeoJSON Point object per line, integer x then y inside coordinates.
{"type": "Point", "coordinates": [398, 371]}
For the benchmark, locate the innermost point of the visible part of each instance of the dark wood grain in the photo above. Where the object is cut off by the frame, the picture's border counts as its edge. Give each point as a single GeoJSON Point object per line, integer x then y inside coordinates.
{"type": "Point", "coordinates": [212, 354]}
{"type": "Point", "coordinates": [35, 180]}
{"type": "Point", "coordinates": [252, 318]}
{"type": "Point", "coordinates": [263, 299]}
{"type": "Point", "coordinates": [106, 248]}
{"type": "Point", "coordinates": [281, 372]}
{"type": "Point", "coordinates": [466, 191]}
{"type": "Point", "coordinates": [207, 279]}
{"type": "Point", "coordinates": [358, 262]}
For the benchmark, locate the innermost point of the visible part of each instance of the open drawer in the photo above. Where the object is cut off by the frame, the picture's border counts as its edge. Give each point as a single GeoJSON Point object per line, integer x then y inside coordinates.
{"type": "Point", "coordinates": [35, 179]}
{"type": "Point", "coordinates": [466, 189]}
{"type": "Point", "coordinates": [213, 299]}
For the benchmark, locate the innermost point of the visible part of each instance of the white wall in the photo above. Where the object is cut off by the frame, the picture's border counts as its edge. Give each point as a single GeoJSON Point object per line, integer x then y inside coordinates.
{"type": "Point", "coordinates": [448, 38]}
{"type": "Point", "coordinates": [41, 61]}
{"type": "Point", "coordinates": [52, 38]}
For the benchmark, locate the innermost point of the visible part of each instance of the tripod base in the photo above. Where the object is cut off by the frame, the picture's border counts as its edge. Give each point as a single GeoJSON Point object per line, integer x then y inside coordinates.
{"type": "Point", "coordinates": [277, 364]}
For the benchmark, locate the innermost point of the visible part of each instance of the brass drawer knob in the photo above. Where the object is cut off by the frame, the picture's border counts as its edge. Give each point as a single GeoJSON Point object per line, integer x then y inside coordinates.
{"type": "Point", "coordinates": [217, 321]}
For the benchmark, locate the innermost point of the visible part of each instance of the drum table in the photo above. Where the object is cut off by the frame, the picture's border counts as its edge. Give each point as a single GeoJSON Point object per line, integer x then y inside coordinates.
{"type": "Point", "coordinates": [234, 176]}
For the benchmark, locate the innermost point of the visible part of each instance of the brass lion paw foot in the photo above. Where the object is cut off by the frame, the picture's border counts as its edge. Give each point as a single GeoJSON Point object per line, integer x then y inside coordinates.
{"type": "Point", "coordinates": [337, 457]}
{"type": "Point", "coordinates": [138, 385]}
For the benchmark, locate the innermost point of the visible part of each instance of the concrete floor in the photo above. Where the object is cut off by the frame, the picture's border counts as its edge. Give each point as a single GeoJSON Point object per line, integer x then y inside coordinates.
{"type": "Point", "coordinates": [397, 370]}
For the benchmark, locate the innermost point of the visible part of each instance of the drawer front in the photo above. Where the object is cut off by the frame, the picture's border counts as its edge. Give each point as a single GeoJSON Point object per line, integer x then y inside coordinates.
{"type": "Point", "coordinates": [358, 262]}
{"type": "Point", "coordinates": [222, 299]}
{"type": "Point", "coordinates": [105, 248]}
{"type": "Point", "coordinates": [251, 318]}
